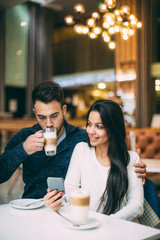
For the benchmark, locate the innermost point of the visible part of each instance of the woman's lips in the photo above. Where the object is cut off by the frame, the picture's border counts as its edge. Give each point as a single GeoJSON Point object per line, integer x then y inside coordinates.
{"type": "Point", "coordinates": [93, 139]}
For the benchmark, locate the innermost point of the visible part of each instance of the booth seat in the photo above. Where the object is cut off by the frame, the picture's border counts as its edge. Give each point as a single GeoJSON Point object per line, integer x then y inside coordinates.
{"type": "Point", "coordinates": [147, 140]}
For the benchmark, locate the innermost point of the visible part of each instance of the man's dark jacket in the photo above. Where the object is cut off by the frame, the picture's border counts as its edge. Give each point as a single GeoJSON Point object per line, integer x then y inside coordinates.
{"type": "Point", "coordinates": [37, 167]}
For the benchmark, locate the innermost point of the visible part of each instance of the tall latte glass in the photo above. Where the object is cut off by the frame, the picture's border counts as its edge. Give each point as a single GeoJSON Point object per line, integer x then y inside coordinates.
{"type": "Point", "coordinates": [50, 141]}
{"type": "Point", "coordinates": [79, 203]}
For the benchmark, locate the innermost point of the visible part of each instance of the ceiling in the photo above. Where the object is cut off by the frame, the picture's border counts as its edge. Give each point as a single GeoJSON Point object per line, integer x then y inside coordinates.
{"type": "Point", "coordinates": [57, 5]}
{"type": "Point", "coordinates": [10, 3]}
{"type": "Point", "coordinates": [61, 7]}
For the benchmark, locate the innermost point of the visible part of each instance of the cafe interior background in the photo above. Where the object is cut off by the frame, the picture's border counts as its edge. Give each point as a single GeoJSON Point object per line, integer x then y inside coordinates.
{"type": "Point", "coordinates": [37, 45]}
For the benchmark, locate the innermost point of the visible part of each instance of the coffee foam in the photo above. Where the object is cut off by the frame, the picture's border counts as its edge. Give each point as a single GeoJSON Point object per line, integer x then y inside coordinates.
{"type": "Point", "coordinates": [80, 198]}
{"type": "Point", "coordinates": [49, 135]}
{"type": "Point", "coordinates": [79, 193]}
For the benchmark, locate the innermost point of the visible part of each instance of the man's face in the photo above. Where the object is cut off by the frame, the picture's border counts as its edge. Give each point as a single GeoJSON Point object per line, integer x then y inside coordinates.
{"type": "Point", "coordinates": [50, 115]}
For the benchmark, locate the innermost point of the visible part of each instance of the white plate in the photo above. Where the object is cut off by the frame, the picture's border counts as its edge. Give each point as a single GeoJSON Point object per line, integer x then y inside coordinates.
{"type": "Point", "coordinates": [21, 203]}
{"type": "Point", "coordinates": [91, 223]}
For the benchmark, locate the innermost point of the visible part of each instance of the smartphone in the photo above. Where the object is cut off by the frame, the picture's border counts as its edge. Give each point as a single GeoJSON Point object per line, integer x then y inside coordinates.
{"type": "Point", "coordinates": [56, 184]}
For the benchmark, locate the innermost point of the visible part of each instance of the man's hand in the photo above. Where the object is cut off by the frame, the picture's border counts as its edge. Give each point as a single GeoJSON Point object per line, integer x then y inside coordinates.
{"type": "Point", "coordinates": [53, 199]}
{"type": "Point", "coordinates": [140, 169]}
{"type": "Point", "coordinates": [34, 143]}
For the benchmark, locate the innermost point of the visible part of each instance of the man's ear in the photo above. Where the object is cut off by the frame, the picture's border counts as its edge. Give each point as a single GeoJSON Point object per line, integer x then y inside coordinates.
{"type": "Point", "coordinates": [64, 109]}
{"type": "Point", "coordinates": [34, 111]}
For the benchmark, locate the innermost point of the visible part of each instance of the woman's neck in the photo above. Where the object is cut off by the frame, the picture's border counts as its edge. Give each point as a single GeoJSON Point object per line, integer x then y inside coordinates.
{"type": "Point", "coordinates": [102, 155]}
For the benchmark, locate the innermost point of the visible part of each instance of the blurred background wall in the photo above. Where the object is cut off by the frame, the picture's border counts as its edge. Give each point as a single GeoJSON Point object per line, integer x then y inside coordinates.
{"type": "Point", "coordinates": [36, 45]}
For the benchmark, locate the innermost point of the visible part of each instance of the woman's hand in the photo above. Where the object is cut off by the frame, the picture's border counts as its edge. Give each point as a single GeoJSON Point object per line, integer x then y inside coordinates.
{"type": "Point", "coordinates": [53, 199]}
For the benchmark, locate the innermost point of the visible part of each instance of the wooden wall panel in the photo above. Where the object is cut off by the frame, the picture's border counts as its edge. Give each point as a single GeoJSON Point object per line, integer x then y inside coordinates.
{"type": "Point", "coordinates": [135, 54]}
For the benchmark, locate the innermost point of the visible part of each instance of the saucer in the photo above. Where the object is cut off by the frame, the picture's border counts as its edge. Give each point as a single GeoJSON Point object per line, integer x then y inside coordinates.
{"type": "Point", "coordinates": [91, 223]}
{"type": "Point", "coordinates": [21, 203]}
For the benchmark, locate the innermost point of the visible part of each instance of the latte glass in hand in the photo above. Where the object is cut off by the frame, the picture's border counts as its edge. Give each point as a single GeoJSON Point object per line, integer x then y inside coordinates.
{"type": "Point", "coordinates": [50, 140]}
{"type": "Point", "coordinates": [79, 204]}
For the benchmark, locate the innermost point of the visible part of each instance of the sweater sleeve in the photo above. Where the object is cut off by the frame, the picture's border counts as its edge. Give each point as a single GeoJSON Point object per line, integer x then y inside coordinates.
{"type": "Point", "coordinates": [12, 157]}
{"type": "Point", "coordinates": [132, 205]}
{"type": "Point", "coordinates": [72, 180]}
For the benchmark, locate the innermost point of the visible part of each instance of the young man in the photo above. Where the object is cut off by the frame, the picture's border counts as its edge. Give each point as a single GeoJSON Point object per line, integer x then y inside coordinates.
{"type": "Point", "coordinates": [26, 146]}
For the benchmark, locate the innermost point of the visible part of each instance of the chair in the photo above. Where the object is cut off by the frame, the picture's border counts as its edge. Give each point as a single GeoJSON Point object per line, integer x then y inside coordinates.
{"type": "Point", "coordinates": [150, 194]}
{"type": "Point", "coordinates": [151, 215]}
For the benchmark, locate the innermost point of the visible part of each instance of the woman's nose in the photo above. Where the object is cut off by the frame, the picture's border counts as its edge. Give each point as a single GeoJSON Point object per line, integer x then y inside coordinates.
{"type": "Point", "coordinates": [92, 129]}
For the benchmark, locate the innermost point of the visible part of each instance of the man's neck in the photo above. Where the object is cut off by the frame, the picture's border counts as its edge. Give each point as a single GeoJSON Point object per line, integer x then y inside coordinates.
{"type": "Point", "coordinates": [60, 139]}
{"type": "Point", "coordinates": [61, 132]}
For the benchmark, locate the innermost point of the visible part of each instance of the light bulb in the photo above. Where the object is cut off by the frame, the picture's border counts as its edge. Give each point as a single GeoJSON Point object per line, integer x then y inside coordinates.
{"type": "Point", "coordinates": [125, 9]}
{"type": "Point", "coordinates": [133, 22]}
{"type": "Point", "coordinates": [157, 88]}
{"type": "Point", "coordinates": [117, 28]}
{"type": "Point", "coordinates": [131, 32]}
{"type": "Point", "coordinates": [105, 25]}
{"type": "Point", "coordinates": [97, 30]}
{"type": "Point", "coordinates": [69, 20]}
{"type": "Point", "coordinates": [124, 31]}
{"type": "Point", "coordinates": [131, 17]}
{"type": "Point", "coordinates": [101, 85]}
{"type": "Point", "coordinates": [111, 30]}
{"type": "Point", "coordinates": [23, 24]}
{"type": "Point", "coordinates": [104, 33]}
{"type": "Point", "coordinates": [79, 8]}
{"type": "Point", "coordinates": [95, 15]}
{"type": "Point", "coordinates": [117, 12]}
{"type": "Point", "coordinates": [126, 24]}
{"type": "Point", "coordinates": [90, 22]}
{"type": "Point", "coordinates": [157, 82]}
{"type": "Point", "coordinates": [110, 4]}
{"type": "Point", "coordinates": [78, 28]}
{"type": "Point", "coordinates": [102, 7]}
{"type": "Point", "coordinates": [92, 35]}
{"type": "Point", "coordinates": [106, 38]}
{"type": "Point", "coordinates": [112, 45]}
{"type": "Point", "coordinates": [119, 19]}
{"type": "Point", "coordinates": [125, 36]}
{"type": "Point", "coordinates": [109, 17]}
{"type": "Point", "coordinates": [85, 30]}
{"type": "Point", "coordinates": [139, 24]}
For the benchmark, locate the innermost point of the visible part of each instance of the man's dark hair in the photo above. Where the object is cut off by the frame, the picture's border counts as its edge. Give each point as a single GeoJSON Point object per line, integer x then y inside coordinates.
{"type": "Point", "coordinates": [48, 91]}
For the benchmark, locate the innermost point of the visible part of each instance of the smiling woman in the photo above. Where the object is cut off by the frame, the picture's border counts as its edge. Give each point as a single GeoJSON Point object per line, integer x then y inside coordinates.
{"type": "Point", "coordinates": [104, 166]}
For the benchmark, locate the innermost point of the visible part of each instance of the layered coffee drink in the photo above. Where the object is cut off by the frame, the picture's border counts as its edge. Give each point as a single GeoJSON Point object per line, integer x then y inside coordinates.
{"type": "Point", "coordinates": [79, 201]}
{"type": "Point", "coordinates": [50, 141]}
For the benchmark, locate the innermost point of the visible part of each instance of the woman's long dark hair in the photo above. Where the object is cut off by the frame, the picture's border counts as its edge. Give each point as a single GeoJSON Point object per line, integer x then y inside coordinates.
{"type": "Point", "coordinates": [117, 182]}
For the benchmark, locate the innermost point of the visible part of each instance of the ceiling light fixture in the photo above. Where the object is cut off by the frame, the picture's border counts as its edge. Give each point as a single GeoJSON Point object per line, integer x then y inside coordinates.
{"type": "Point", "coordinates": [106, 21]}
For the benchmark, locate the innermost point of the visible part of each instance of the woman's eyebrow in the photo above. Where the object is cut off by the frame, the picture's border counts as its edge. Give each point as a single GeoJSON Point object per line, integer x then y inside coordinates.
{"type": "Point", "coordinates": [96, 122]}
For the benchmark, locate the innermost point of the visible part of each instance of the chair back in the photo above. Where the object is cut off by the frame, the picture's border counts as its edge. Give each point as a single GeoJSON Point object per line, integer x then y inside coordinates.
{"type": "Point", "coordinates": [151, 214]}
{"type": "Point", "coordinates": [151, 196]}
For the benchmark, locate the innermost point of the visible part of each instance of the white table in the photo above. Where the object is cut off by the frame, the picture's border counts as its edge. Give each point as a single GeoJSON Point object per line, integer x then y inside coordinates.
{"type": "Point", "coordinates": [44, 224]}
{"type": "Point", "coordinates": [153, 165]}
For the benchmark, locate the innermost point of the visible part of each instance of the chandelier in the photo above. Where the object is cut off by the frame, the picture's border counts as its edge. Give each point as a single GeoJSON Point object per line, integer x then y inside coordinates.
{"type": "Point", "coordinates": [106, 21]}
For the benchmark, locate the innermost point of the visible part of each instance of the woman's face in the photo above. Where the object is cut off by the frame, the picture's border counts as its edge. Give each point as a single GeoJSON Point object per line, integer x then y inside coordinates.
{"type": "Point", "coordinates": [96, 131]}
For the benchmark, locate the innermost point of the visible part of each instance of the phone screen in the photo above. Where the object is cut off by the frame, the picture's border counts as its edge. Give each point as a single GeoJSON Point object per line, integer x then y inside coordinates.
{"type": "Point", "coordinates": [56, 184]}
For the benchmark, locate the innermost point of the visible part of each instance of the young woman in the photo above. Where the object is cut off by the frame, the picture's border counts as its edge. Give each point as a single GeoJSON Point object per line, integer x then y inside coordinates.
{"type": "Point", "coordinates": [105, 167]}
